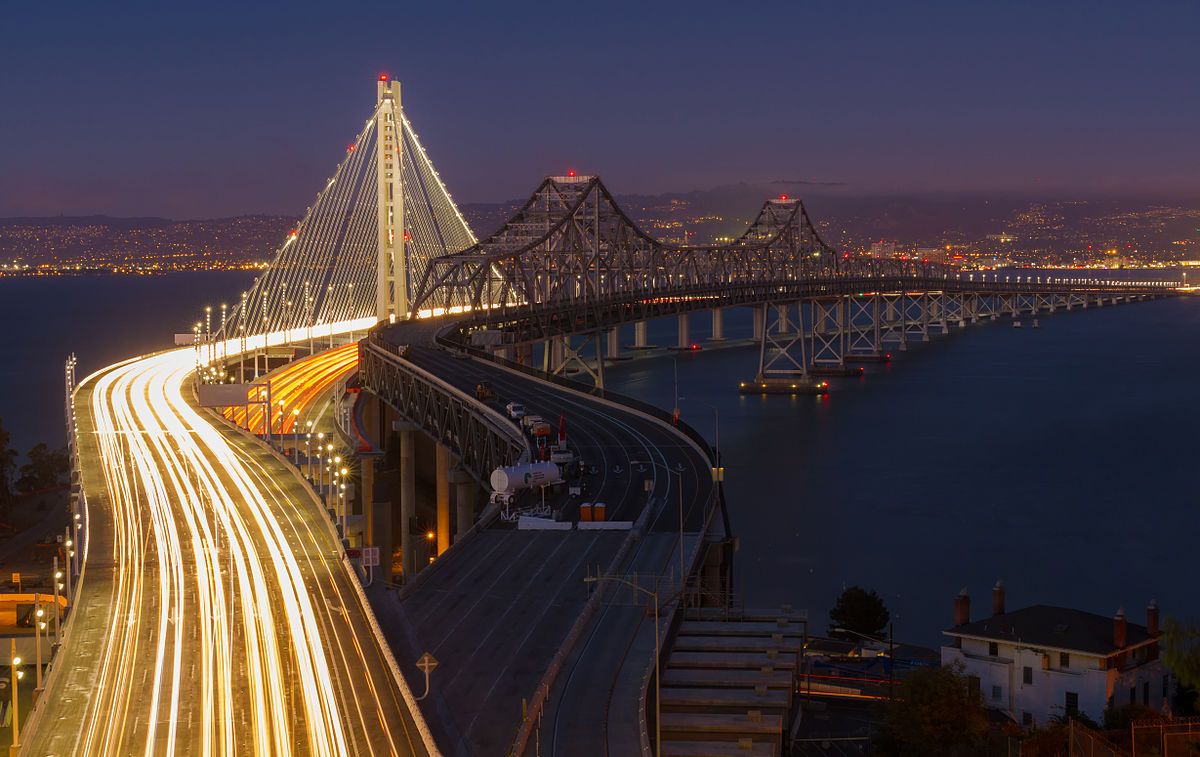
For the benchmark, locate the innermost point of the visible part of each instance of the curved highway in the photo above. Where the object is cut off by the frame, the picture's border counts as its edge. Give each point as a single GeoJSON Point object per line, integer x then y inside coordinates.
{"type": "Point", "coordinates": [215, 614]}
{"type": "Point", "coordinates": [496, 611]}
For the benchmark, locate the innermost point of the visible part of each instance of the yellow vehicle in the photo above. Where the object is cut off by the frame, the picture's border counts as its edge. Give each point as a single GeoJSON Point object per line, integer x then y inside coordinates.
{"type": "Point", "coordinates": [484, 392]}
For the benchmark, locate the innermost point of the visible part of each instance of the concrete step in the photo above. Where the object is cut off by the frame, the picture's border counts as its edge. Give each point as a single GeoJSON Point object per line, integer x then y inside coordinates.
{"type": "Point", "coordinates": [688, 726]}
{"type": "Point", "coordinates": [741, 748]}
{"type": "Point", "coordinates": [750, 613]}
{"type": "Point", "coordinates": [783, 644]}
{"type": "Point", "coordinates": [725, 700]}
{"type": "Point", "coordinates": [728, 679]}
{"type": "Point", "coordinates": [718, 660]}
{"type": "Point", "coordinates": [742, 628]}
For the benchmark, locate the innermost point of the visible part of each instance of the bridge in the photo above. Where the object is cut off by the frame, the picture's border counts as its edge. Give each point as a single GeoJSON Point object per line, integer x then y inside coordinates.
{"type": "Point", "coordinates": [238, 590]}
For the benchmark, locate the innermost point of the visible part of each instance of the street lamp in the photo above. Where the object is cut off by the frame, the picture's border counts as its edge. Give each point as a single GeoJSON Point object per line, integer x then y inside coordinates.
{"type": "Point", "coordinates": [678, 473]}
{"type": "Point", "coordinates": [17, 675]}
{"type": "Point", "coordinates": [718, 471]}
{"type": "Point", "coordinates": [657, 666]}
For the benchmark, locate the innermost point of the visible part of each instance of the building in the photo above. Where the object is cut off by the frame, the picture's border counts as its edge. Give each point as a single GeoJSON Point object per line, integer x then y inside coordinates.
{"type": "Point", "coordinates": [1043, 662]}
{"type": "Point", "coordinates": [882, 249]}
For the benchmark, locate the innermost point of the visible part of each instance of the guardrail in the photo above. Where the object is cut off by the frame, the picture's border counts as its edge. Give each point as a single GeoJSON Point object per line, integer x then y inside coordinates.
{"type": "Point", "coordinates": [483, 439]}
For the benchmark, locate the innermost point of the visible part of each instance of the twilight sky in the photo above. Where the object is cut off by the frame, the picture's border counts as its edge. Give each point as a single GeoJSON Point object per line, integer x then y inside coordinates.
{"type": "Point", "coordinates": [193, 110]}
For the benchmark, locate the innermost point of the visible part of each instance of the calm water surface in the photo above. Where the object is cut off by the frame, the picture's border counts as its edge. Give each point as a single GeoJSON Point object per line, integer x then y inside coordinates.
{"type": "Point", "coordinates": [1062, 460]}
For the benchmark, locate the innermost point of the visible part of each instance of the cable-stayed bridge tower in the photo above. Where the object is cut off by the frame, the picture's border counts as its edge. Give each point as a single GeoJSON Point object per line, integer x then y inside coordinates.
{"type": "Point", "coordinates": [365, 242]}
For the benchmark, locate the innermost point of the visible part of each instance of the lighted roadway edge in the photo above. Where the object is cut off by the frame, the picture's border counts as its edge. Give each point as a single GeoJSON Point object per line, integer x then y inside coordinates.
{"type": "Point", "coordinates": [521, 743]}
{"type": "Point", "coordinates": [401, 683]}
{"type": "Point", "coordinates": [51, 678]}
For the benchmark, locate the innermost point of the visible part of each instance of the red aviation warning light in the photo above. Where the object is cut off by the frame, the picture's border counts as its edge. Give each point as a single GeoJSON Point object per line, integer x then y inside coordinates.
{"type": "Point", "coordinates": [351, 147]}
{"type": "Point", "coordinates": [383, 77]}
{"type": "Point", "coordinates": [571, 173]}
{"type": "Point", "coordinates": [783, 198]}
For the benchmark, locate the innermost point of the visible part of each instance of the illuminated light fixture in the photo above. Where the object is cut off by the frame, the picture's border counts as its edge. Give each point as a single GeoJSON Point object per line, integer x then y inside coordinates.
{"type": "Point", "coordinates": [383, 77]}
{"type": "Point", "coordinates": [783, 198]}
{"type": "Point", "coordinates": [430, 535]}
{"type": "Point", "coordinates": [571, 173]}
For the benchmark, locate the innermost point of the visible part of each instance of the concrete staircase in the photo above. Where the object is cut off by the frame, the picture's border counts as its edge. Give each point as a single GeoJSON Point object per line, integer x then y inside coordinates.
{"type": "Point", "coordinates": [729, 683]}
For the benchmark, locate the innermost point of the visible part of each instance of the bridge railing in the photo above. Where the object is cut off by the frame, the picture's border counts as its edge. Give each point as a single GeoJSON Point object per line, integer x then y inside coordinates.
{"type": "Point", "coordinates": [482, 438]}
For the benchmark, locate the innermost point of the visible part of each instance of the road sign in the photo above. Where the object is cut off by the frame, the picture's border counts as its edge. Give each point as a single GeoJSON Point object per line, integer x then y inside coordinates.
{"type": "Point", "coordinates": [370, 557]}
{"type": "Point", "coordinates": [17, 579]}
{"type": "Point", "coordinates": [427, 663]}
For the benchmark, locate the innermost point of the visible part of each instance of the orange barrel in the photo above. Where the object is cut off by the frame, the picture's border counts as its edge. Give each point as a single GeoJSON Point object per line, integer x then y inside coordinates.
{"type": "Point", "coordinates": [598, 511]}
{"type": "Point", "coordinates": [585, 512]}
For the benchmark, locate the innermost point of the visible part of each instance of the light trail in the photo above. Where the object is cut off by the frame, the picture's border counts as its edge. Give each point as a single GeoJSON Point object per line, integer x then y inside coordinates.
{"type": "Point", "coordinates": [235, 626]}
{"type": "Point", "coordinates": [294, 389]}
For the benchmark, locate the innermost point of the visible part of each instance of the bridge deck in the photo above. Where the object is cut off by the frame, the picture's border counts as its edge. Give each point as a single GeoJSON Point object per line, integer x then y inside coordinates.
{"type": "Point", "coordinates": [495, 609]}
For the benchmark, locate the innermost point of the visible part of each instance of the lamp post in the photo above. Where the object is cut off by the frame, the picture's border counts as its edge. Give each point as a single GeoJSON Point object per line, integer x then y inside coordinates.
{"type": "Point", "coordinates": [308, 452]}
{"type": "Point", "coordinates": [675, 368]}
{"type": "Point", "coordinates": [57, 588]}
{"type": "Point", "coordinates": [657, 664]}
{"type": "Point", "coordinates": [718, 473]}
{"type": "Point", "coordinates": [17, 675]}
{"type": "Point", "coordinates": [678, 474]}
{"type": "Point", "coordinates": [295, 446]}
{"type": "Point", "coordinates": [38, 625]}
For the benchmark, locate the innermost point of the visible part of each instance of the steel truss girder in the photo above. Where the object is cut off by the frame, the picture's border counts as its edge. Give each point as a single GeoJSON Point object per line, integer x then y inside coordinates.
{"type": "Point", "coordinates": [863, 325]}
{"type": "Point", "coordinates": [829, 336]}
{"type": "Point", "coordinates": [564, 351]}
{"type": "Point", "coordinates": [782, 351]}
{"type": "Point", "coordinates": [444, 413]}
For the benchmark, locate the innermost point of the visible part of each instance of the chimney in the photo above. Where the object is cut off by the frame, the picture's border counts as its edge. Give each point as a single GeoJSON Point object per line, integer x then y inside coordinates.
{"type": "Point", "coordinates": [998, 598]}
{"type": "Point", "coordinates": [1119, 629]}
{"type": "Point", "coordinates": [1152, 618]}
{"type": "Point", "coordinates": [962, 608]}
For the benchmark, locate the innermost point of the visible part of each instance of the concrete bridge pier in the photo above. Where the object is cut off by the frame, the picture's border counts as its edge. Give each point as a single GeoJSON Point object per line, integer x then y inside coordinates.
{"type": "Point", "coordinates": [782, 322]}
{"type": "Point", "coordinates": [760, 317]}
{"type": "Point", "coordinates": [464, 501]}
{"type": "Point", "coordinates": [718, 325]}
{"type": "Point", "coordinates": [613, 348]}
{"type": "Point", "coordinates": [408, 494]}
{"type": "Point", "coordinates": [639, 336]}
{"type": "Point", "coordinates": [443, 456]}
{"type": "Point", "coordinates": [685, 341]}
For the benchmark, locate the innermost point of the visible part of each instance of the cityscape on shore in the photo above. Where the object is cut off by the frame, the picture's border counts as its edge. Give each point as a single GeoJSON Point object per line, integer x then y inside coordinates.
{"type": "Point", "coordinates": [988, 233]}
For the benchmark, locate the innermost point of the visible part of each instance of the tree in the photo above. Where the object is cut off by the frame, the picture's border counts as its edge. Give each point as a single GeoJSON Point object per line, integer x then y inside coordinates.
{"type": "Point", "coordinates": [937, 715]}
{"type": "Point", "coordinates": [860, 611]}
{"type": "Point", "coordinates": [46, 469]}
{"type": "Point", "coordinates": [8, 464]}
{"type": "Point", "coordinates": [1181, 650]}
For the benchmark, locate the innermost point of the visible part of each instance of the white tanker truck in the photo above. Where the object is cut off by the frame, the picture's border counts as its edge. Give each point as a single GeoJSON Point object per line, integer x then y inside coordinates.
{"type": "Point", "coordinates": [506, 482]}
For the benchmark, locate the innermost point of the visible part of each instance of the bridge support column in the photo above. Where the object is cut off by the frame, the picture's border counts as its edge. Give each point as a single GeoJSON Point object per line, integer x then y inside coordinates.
{"type": "Point", "coordinates": [614, 343]}
{"type": "Point", "coordinates": [718, 324]}
{"type": "Point", "coordinates": [366, 478]}
{"type": "Point", "coordinates": [639, 336]}
{"type": "Point", "coordinates": [443, 498]}
{"type": "Point", "coordinates": [759, 320]}
{"type": "Point", "coordinates": [525, 354]}
{"type": "Point", "coordinates": [684, 337]}
{"type": "Point", "coordinates": [464, 502]}
{"type": "Point", "coordinates": [783, 325]}
{"type": "Point", "coordinates": [408, 496]}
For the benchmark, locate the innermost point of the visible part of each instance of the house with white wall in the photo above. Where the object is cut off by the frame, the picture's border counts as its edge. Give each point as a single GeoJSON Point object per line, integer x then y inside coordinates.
{"type": "Point", "coordinates": [1042, 662]}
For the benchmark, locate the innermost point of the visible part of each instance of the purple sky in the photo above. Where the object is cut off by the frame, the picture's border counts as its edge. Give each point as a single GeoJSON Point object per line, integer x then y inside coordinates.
{"type": "Point", "coordinates": [208, 109]}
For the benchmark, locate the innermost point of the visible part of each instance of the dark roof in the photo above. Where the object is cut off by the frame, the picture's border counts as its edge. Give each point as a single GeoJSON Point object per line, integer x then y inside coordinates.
{"type": "Point", "coordinates": [1058, 627]}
